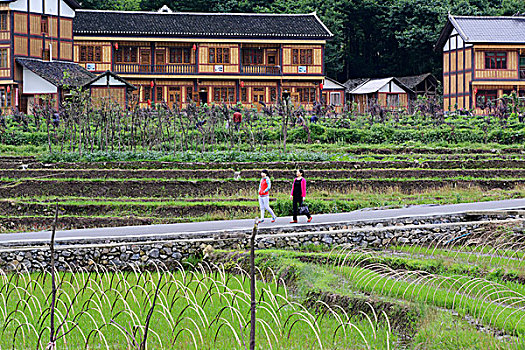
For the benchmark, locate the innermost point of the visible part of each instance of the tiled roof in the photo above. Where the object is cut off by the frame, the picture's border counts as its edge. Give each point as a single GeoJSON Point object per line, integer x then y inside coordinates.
{"type": "Point", "coordinates": [54, 71]}
{"type": "Point", "coordinates": [414, 80]}
{"type": "Point", "coordinates": [73, 3]}
{"type": "Point", "coordinates": [234, 25]}
{"type": "Point", "coordinates": [351, 84]}
{"type": "Point", "coordinates": [485, 29]}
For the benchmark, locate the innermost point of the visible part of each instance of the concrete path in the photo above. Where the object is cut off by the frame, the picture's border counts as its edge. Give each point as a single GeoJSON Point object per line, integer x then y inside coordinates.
{"type": "Point", "coordinates": [156, 230]}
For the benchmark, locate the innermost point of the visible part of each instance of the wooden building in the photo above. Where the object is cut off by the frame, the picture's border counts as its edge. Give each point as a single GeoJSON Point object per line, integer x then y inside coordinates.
{"type": "Point", "coordinates": [389, 93]}
{"type": "Point", "coordinates": [175, 58]}
{"type": "Point", "coordinates": [36, 53]}
{"type": "Point", "coordinates": [423, 84]}
{"type": "Point", "coordinates": [483, 59]}
{"type": "Point", "coordinates": [333, 94]}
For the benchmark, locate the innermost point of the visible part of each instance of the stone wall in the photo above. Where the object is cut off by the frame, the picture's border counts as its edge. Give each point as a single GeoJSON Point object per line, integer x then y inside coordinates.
{"type": "Point", "coordinates": [169, 250]}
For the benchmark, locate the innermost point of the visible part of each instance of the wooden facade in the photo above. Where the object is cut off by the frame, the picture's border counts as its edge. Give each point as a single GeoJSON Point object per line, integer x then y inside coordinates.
{"type": "Point", "coordinates": [475, 72]}
{"type": "Point", "coordinates": [32, 29]}
{"type": "Point", "coordinates": [176, 70]}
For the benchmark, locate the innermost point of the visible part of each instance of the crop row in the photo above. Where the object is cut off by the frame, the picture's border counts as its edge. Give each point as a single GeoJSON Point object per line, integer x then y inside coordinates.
{"type": "Point", "coordinates": [254, 174]}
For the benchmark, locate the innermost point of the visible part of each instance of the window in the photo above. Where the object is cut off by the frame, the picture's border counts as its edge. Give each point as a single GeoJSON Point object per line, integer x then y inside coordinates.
{"type": "Point", "coordinates": [335, 98]}
{"type": "Point", "coordinates": [4, 59]}
{"type": "Point", "coordinates": [180, 55]}
{"type": "Point", "coordinates": [244, 95]}
{"type": "Point", "coordinates": [160, 94]}
{"type": "Point", "coordinates": [484, 96]}
{"type": "Point", "coordinates": [46, 54]}
{"type": "Point", "coordinates": [495, 60]}
{"type": "Point", "coordinates": [3, 21]}
{"type": "Point", "coordinates": [392, 100]}
{"type": "Point", "coordinates": [273, 94]}
{"type": "Point", "coordinates": [223, 94]}
{"type": "Point", "coordinates": [126, 54]}
{"type": "Point", "coordinates": [189, 93]}
{"type": "Point", "coordinates": [306, 57]}
{"type": "Point", "coordinates": [219, 55]}
{"type": "Point", "coordinates": [44, 25]}
{"type": "Point", "coordinates": [295, 56]}
{"type": "Point", "coordinates": [306, 95]}
{"type": "Point", "coordinates": [90, 53]}
{"type": "Point", "coordinates": [146, 93]}
{"type": "Point", "coordinates": [252, 57]}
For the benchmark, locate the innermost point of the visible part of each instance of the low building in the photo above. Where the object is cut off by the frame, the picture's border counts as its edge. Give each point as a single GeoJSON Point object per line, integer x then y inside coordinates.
{"type": "Point", "coordinates": [388, 93]}
{"type": "Point", "coordinates": [483, 59]}
{"type": "Point", "coordinates": [423, 84]}
{"type": "Point", "coordinates": [333, 94]}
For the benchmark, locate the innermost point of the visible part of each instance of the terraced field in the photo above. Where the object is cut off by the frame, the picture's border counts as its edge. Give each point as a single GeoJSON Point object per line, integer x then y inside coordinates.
{"type": "Point", "coordinates": [92, 194]}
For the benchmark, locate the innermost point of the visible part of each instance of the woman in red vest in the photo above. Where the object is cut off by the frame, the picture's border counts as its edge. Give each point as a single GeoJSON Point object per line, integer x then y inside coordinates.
{"type": "Point", "coordinates": [264, 195]}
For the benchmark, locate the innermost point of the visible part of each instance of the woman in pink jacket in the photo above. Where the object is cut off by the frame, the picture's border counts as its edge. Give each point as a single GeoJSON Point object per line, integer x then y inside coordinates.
{"type": "Point", "coordinates": [298, 195]}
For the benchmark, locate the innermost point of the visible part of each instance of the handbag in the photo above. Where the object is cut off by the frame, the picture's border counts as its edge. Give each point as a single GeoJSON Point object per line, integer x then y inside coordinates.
{"type": "Point", "coordinates": [303, 209]}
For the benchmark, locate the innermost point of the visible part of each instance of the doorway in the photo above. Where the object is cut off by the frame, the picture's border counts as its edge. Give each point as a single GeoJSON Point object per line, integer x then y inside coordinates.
{"type": "Point", "coordinates": [174, 97]}
{"type": "Point", "coordinates": [160, 61]}
{"type": "Point", "coordinates": [203, 96]}
{"type": "Point", "coordinates": [145, 61]}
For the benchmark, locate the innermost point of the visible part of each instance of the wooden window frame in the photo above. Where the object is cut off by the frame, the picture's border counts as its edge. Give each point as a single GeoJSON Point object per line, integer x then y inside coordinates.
{"type": "Point", "coordinates": [252, 57]}
{"type": "Point", "coordinates": [4, 58]}
{"type": "Point", "coordinates": [219, 55]}
{"type": "Point", "coordinates": [306, 94]}
{"type": "Point", "coordinates": [295, 57]}
{"type": "Point", "coordinates": [146, 93]}
{"type": "Point", "coordinates": [125, 54]}
{"type": "Point", "coordinates": [4, 22]}
{"type": "Point", "coordinates": [389, 98]}
{"type": "Point", "coordinates": [338, 94]}
{"type": "Point", "coordinates": [159, 94]}
{"type": "Point", "coordinates": [273, 94]}
{"type": "Point", "coordinates": [180, 55]}
{"type": "Point", "coordinates": [496, 60]}
{"type": "Point", "coordinates": [189, 93]}
{"type": "Point", "coordinates": [303, 57]}
{"type": "Point", "coordinates": [90, 53]}
{"type": "Point", "coordinates": [44, 25]}
{"type": "Point", "coordinates": [485, 94]}
{"type": "Point", "coordinates": [244, 95]}
{"type": "Point", "coordinates": [224, 94]}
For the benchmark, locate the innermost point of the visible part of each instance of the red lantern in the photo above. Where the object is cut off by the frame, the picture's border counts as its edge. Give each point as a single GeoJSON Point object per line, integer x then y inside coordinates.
{"type": "Point", "coordinates": [475, 91]}
{"type": "Point", "coordinates": [8, 89]}
{"type": "Point", "coordinates": [149, 103]}
{"type": "Point", "coordinates": [194, 47]}
{"type": "Point", "coordinates": [242, 84]}
{"type": "Point", "coordinates": [152, 84]}
{"type": "Point", "coordinates": [116, 46]}
{"type": "Point", "coordinates": [321, 86]}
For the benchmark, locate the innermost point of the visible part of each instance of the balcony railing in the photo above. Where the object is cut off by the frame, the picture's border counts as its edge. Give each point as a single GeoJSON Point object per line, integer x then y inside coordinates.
{"type": "Point", "coordinates": [522, 73]}
{"type": "Point", "coordinates": [261, 70]}
{"type": "Point", "coordinates": [131, 68]}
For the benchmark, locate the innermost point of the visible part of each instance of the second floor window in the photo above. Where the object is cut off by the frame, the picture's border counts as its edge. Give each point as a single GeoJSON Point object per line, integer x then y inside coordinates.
{"type": "Point", "coordinates": [3, 21]}
{"type": "Point", "coordinates": [180, 55]}
{"type": "Point", "coordinates": [303, 57]}
{"type": "Point", "coordinates": [219, 55]}
{"type": "Point", "coordinates": [90, 53]}
{"type": "Point", "coordinates": [3, 58]}
{"type": "Point", "coordinates": [495, 60]}
{"type": "Point", "coordinates": [126, 54]}
{"type": "Point", "coordinates": [44, 25]}
{"type": "Point", "coordinates": [252, 57]}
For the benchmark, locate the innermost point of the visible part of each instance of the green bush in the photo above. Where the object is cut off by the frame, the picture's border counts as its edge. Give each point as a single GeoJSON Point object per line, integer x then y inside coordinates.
{"type": "Point", "coordinates": [23, 138]}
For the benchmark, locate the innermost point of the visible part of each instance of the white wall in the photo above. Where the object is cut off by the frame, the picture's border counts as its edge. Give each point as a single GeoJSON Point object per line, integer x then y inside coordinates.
{"type": "Point", "coordinates": [33, 84]}
{"type": "Point", "coordinates": [65, 10]}
{"type": "Point", "coordinates": [35, 6]}
{"type": "Point", "coordinates": [51, 7]}
{"type": "Point", "coordinates": [392, 87]}
{"type": "Point", "coordinates": [104, 82]}
{"type": "Point", "coordinates": [20, 5]}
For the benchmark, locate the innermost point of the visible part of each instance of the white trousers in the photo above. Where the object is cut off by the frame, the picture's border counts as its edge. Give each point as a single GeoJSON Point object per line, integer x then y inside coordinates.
{"type": "Point", "coordinates": [264, 204]}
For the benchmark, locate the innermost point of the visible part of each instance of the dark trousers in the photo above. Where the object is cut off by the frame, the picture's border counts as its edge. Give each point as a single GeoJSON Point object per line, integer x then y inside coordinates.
{"type": "Point", "coordinates": [297, 201]}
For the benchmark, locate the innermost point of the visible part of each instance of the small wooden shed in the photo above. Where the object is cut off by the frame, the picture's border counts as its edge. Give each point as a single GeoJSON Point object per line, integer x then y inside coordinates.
{"type": "Point", "coordinates": [389, 93]}
{"type": "Point", "coordinates": [333, 94]}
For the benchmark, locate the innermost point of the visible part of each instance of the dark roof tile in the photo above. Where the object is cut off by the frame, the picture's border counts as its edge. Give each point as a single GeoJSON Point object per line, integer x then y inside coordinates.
{"type": "Point", "coordinates": [122, 23]}
{"type": "Point", "coordinates": [53, 72]}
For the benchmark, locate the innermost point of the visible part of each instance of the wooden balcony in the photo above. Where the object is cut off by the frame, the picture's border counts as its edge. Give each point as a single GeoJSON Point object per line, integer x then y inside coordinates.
{"type": "Point", "coordinates": [261, 70]}
{"type": "Point", "coordinates": [133, 68]}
